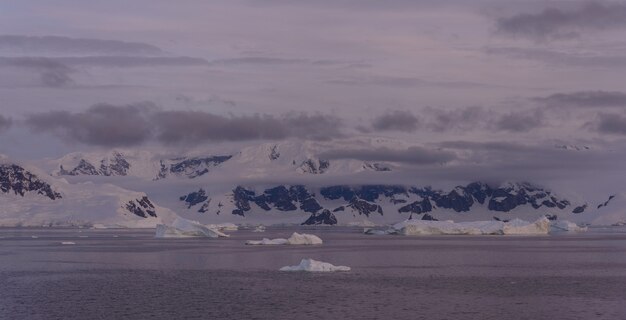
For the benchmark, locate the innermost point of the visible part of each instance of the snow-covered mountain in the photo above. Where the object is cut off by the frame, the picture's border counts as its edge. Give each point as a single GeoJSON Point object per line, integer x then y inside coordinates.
{"type": "Point", "coordinates": [265, 160]}
{"type": "Point", "coordinates": [272, 183]}
{"type": "Point", "coordinates": [29, 197]}
{"type": "Point", "coordinates": [382, 203]}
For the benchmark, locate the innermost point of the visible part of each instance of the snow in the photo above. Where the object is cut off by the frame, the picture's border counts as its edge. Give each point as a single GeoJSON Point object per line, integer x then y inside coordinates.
{"type": "Point", "coordinates": [311, 265]}
{"type": "Point", "coordinates": [514, 227]}
{"type": "Point", "coordinates": [183, 228]}
{"type": "Point", "coordinates": [295, 239]}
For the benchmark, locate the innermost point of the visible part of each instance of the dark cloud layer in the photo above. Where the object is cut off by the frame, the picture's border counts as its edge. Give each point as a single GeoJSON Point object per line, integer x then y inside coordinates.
{"type": "Point", "coordinates": [586, 99]}
{"type": "Point", "coordinates": [124, 61]}
{"type": "Point", "coordinates": [520, 121]}
{"type": "Point", "coordinates": [5, 123]}
{"type": "Point", "coordinates": [135, 124]}
{"type": "Point", "coordinates": [194, 126]}
{"type": "Point", "coordinates": [610, 123]}
{"type": "Point", "coordinates": [52, 73]}
{"type": "Point", "coordinates": [100, 125]}
{"type": "Point", "coordinates": [66, 45]}
{"type": "Point", "coordinates": [411, 155]}
{"type": "Point", "coordinates": [397, 120]}
{"type": "Point", "coordinates": [555, 23]}
{"type": "Point", "coordinates": [467, 118]}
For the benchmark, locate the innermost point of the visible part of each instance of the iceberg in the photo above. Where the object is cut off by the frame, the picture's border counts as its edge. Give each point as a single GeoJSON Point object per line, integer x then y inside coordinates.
{"type": "Point", "coordinates": [566, 226]}
{"type": "Point", "coordinates": [295, 239]}
{"type": "Point", "coordinates": [183, 228]}
{"type": "Point", "coordinates": [68, 242]}
{"type": "Point", "coordinates": [311, 265]}
{"type": "Point", "coordinates": [513, 227]}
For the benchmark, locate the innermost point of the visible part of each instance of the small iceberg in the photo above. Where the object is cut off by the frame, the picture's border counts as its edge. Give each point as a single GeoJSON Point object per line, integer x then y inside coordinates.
{"type": "Point", "coordinates": [183, 228]}
{"type": "Point", "coordinates": [68, 242]}
{"type": "Point", "coordinates": [295, 239]}
{"type": "Point", "coordinates": [259, 228]}
{"type": "Point", "coordinates": [224, 226]}
{"type": "Point", "coordinates": [311, 265]}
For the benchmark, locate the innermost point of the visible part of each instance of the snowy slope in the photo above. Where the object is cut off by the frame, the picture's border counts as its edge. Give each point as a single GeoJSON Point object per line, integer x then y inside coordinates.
{"type": "Point", "coordinates": [23, 203]}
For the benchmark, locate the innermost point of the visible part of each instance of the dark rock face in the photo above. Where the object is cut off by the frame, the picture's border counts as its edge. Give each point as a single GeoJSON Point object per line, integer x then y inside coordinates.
{"type": "Point", "coordinates": [508, 198]}
{"type": "Point", "coordinates": [324, 217]}
{"type": "Point", "coordinates": [274, 154]}
{"type": "Point", "coordinates": [191, 167]}
{"type": "Point", "coordinates": [280, 198]}
{"type": "Point", "coordinates": [14, 178]}
{"type": "Point", "coordinates": [369, 199]}
{"type": "Point", "coordinates": [195, 198]}
{"type": "Point", "coordinates": [428, 217]}
{"type": "Point", "coordinates": [141, 207]}
{"type": "Point", "coordinates": [376, 167]}
{"type": "Point", "coordinates": [364, 208]}
{"type": "Point", "coordinates": [115, 166]}
{"type": "Point", "coordinates": [315, 166]}
{"type": "Point", "coordinates": [417, 207]}
{"type": "Point", "coordinates": [580, 209]}
{"type": "Point", "coordinates": [606, 203]}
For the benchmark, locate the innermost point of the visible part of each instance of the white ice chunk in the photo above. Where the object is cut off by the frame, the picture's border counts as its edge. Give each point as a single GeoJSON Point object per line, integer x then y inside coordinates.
{"type": "Point", "coordinates": [68, 242]}
{"type": "Point", "coordinates": [183, 228]}
{"type": "Point", "coordinates": [566, 226]}
{"type": "Point", "coordinates": [267, 242]}
{"type": "Point", "coordinates": [516, 226]}
{"type": "Point", "coordinates": [259, 228]}
{"type": "Point", "coordinates": [315, 266]}
{"type": "Point", "coordinates": [295, 239]}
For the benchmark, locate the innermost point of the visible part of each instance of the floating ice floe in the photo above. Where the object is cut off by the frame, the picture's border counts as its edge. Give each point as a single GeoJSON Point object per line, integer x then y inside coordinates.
{"type": "Point", "coordinates": [427, 227]}
{"type": "Point", "coordinates": [566, 226]}
{"type": "Point", "coordinates": [259, 228]}
{"type": "Point", "coordinates": [224, 226]}
{"type": "Point", "coordinates": [295, 239]}
{"type": "Point", "coordinates": [315, 266]}
{"type": "Point", "coordinates": [183, 228]}
{"type": "Point", "coordinates": [68, 242]}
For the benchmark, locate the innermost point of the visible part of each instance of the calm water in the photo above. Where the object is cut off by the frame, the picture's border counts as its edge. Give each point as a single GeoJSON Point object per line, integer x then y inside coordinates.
{"type": "Point", "coordinates": [127, 274]}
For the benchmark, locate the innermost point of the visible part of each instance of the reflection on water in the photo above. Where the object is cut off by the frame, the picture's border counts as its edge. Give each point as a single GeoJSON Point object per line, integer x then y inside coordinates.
{"type": "Point", "coordinates": [130, 274]}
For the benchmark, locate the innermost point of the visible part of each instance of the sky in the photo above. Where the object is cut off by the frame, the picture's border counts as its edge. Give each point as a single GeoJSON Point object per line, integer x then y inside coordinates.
{"type": "Point", "coordinates": [486, 85]}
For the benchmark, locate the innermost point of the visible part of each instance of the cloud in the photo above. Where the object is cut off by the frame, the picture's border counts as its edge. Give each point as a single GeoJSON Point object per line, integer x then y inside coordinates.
{"type": "Point", "coordinates": [461, 118]}
{"type": "Point", "coordinates": [397, 120]}
{"type": "Point", "coordinates": [408, 82]}
{"type": "Point", "coordinates": [124, 61]}
{"type": "Point", "coordinates": [101, 125]}
{"type": "Point", "coordinates": [610, 123]}
{"type": "Point", "coordinates": [196, 127]}
{"type": "Point", "coordinates": [5, 123]}
{"type": "Point", "coordinates": [67, 45]}
{"type": "Point", "coordinates": [555, 23]}
{"type": "Point", "coordinates": [134, 124]}
{"type": "Point", "coordinates": [412, 155]}
{"type": "Point", "coordinates": [257, 61]}
{"type": "Point", "coordinates": [558, 58]}
{"type": "Point", "coordinates": [52, 73]}
{"type": "Point", "coordinates": [520, 121]}
{"type": "Point", "coordinates": [585, 99]}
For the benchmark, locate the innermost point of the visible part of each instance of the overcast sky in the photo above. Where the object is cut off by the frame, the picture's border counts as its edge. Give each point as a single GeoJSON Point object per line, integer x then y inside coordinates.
{"type": "Point", "coordinates": [452, 74]}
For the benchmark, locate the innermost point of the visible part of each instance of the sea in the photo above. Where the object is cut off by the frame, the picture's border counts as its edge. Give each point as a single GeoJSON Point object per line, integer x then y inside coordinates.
{"type": "Point", "coordinates": [56, 273]}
